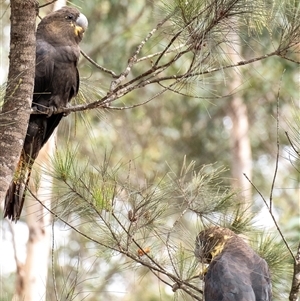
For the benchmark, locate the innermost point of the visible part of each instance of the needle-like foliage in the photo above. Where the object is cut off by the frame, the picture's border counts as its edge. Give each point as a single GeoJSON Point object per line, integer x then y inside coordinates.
{"type": "Point", "coordinates": [154, 225]}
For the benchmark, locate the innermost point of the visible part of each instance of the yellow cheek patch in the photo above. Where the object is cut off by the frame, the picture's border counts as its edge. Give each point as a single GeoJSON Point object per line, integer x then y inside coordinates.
{"type": "Point", "coordinates": [78, 30]}
{"type": "Point", "coordinates": [217, 249]}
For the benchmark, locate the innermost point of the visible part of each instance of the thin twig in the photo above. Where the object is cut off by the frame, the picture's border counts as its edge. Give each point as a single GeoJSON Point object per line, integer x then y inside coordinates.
{"type": "Point", "coordinates": [68, 224]}
{"type": "Point", "coordinates": [125, 89]}
{"type": "Point", "coordinates": [272, 216]}
{"type": "Point", "coordinates": [120, 30]}
{"type": "Point", "coordinates": [277, 151]}
{"type": "Point", "coordinates": [150, 56]}
{"type": "Point", "coordinates": [91, 205]}
{"type": "Point", "coordinates": [156, 267]}
{"type": "Point", "coordinates": [46, 4]}
{"type": "Point", "coordinates": [113, 74]}
{"type": "Point", "coordinates": [291, 60]}
{"type": "Point", "coordinates": [132, 60]}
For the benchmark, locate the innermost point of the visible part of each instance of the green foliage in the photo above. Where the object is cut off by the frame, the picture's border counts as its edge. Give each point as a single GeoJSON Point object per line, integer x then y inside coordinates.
{"type": "Point", "coordinates": [177, 203]}
{"type": "Point", "coordinates": [272, 249]}
{"type": "Point", "coordinates": [76, 182]}
{"type": "Point", "coordinates": [131, 209]}
{"type": "Point", "coordinates": [155, 224]}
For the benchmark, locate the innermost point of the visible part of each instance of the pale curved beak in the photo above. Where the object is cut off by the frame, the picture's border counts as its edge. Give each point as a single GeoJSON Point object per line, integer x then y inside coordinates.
{"type": "Point", "coordinates": [82, 22]}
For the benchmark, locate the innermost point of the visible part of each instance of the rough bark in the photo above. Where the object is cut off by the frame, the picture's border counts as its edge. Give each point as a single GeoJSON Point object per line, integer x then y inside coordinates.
{"type": "Point", "coordinates": [38, 220]}
{"type": "Point", "coordinates": [17, 102]}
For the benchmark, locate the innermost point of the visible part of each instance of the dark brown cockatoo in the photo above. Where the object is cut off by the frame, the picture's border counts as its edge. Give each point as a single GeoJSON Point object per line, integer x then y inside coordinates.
{"type": "Point", "coordinates": [56, 82]}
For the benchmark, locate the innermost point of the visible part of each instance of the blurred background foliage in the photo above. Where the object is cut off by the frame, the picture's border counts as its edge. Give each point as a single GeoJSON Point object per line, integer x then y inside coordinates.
{"type": "Point", "coordinates": [151, 140]}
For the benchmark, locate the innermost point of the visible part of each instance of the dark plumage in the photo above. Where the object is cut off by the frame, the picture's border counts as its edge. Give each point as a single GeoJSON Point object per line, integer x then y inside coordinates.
{"type": "Point", "coordinates": [235, 271]}
{"type": "Point", "coordinates": [56, 82]}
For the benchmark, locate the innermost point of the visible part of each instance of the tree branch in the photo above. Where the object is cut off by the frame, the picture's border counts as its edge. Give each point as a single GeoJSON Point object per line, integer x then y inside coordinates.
{"type": "Point", "coordinates": [110, 72]}
{"type": "Point", "coordinates": [277, 150]}
{"type": "Point", "coordinates": [122, 90]}
{"type": "Point", "coordinates": [272, 216]}
{"type": "Point", "coordinates": [152, 264]}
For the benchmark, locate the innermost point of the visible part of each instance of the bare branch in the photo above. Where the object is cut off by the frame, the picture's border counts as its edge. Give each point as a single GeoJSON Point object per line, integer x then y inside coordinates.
{"type": "Point", "coordinates": [46, 4]}
{"type": "Point", "coordinates": [151, 263]}
{"type": "Point", "coordinates": [273, 217]}
{"type": "Point", "coordinates": [132, 60]}
{"type": "Point", "coordinates": [289, 59]}
{"type": "Point", "coordinates": [113, 74]}
{"type": "Point", "coordinates": [150, 56]}
{"type": "Point", "coordinates": [277, 151]}
{"type": "Point", "coordinates": [122, 90]}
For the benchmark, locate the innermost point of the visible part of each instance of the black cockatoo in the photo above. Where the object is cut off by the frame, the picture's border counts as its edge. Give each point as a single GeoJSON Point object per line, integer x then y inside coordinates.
{"type": "Point", "coordinates": [235, 272]}
{"type": "Point", "coordinates": [56, 82]}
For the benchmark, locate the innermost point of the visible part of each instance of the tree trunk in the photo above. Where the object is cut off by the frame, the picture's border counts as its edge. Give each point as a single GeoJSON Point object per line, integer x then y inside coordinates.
{"type": "Point", "coordinates": [241, 154]}
{"type": "Point", "coordinates": [17, 102]}
{"type": "Point", "coordinates": [38, 220]}
{"type": "Point", "coordinates": [240, 147]}
{"type": "Point", "coordinates": [31, 277]}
